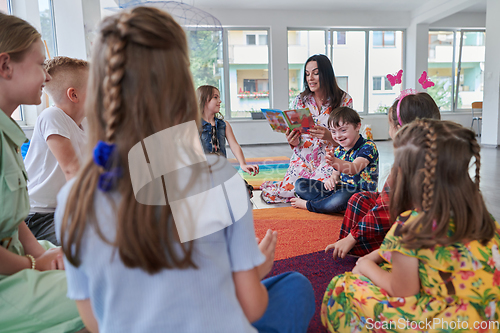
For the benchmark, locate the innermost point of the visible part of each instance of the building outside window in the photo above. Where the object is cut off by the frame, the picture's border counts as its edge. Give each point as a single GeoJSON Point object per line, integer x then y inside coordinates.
{"type": "Point", "coordinates": [458, 73]}
{"type": "Point", "coordinates": [341, 37]}
{"type": "Point", "coordinates": [248, 67]}
{"type": "Point", "coordinates": [384, 38]}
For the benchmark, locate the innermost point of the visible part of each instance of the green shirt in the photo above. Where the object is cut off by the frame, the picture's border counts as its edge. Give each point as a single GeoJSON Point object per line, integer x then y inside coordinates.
{"type": "Point", "coordinates": [14, 201]}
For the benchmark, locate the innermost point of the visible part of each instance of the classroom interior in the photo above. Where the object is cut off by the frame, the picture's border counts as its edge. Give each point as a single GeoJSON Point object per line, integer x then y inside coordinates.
{"type": "Point", "coordinates": [254, 51]}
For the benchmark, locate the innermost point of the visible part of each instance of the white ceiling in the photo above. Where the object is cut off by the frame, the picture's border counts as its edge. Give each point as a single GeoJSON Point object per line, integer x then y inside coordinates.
{"type": "Point", "coordinates": [311, 5]}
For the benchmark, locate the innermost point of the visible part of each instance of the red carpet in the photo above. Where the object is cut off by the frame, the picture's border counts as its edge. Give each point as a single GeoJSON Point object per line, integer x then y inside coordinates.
{"type": "Point", "coordinates": [302, 239]}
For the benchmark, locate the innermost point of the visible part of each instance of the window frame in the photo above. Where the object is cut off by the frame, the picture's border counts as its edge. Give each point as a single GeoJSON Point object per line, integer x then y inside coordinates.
{"type": "Point", "coordinates": [225, 56]}
{"type": "Point", "coordinates": [329, 46]}
{"type": "Point", "coordinates": [456, 65]}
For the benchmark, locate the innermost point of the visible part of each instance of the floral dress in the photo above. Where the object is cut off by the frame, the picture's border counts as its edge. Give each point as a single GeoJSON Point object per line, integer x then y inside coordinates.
{"type": "Point", "coordinates": [459, 291]}
{"type": "Point", "coordinates": [308, 159]}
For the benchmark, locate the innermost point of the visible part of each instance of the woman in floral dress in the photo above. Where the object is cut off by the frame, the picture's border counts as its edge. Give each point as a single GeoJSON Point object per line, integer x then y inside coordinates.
{"type": "Point", "coordinates": [442, 267]}
{"type": "Point", "coordinates": [321, 95]}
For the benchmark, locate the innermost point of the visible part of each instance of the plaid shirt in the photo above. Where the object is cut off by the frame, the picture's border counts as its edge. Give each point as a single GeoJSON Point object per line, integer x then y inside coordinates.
{"type": "Point", "coordinates": [367, 219]}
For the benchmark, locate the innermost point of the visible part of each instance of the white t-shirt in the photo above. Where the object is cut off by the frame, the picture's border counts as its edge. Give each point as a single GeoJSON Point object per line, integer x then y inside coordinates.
{"type": "Point", "coordinates": [45, 176]}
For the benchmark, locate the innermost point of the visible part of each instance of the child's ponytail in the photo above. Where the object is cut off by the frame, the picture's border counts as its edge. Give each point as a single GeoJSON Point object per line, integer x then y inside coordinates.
{"type": "Point", "coordinates": [431, 159]}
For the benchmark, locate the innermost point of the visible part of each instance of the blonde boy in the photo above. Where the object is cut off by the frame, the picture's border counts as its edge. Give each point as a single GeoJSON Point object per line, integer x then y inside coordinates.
{"type": "Point", "coordinates": [57, 144]}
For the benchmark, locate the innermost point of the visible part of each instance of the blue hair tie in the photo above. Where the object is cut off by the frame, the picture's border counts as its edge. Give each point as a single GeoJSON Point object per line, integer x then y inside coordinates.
{"type": "Point", "coordinates": [102, 153]}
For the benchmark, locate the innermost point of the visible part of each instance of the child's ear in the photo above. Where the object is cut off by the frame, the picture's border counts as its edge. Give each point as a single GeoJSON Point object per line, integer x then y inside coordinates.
{"type": "Point", "coordinates": [358, 127]}
{"type": "Point", "coordinates": [72, 95]}
{"type": "Point", "coordinates": [5, 66]}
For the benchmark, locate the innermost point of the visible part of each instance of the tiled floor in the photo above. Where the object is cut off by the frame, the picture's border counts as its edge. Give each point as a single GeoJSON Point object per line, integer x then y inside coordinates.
{"type": "Point", "coordinates": [490, 170]}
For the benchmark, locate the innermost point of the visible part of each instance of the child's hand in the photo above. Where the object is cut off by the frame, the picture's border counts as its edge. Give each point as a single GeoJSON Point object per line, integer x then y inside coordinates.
{"type": "Point", "coordinates": [267, 246]}
{"type": "Point", "coordinates": [293, 137]}
{"type": "Point", "coordinates": [342, 247]}
{"type": "Point", "coordinates": [330, 157]}
{"type": "Point", "coordinates": [52, 259]}
{"type": "Point", "coordinates": [321, 133]}
{"type": "Point", "coordinates": [251, 169]}
{"type": "Point", "coordinates": [330, 183]}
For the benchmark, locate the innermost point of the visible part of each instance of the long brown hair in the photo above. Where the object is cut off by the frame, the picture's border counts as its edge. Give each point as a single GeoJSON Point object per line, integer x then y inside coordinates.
{"type": "Point", "coordinates": [431, 173]}
{"type": "Point", "coordinates": [139, 84]}
{"type": "Point", "coordinates": [204, 94]}
{"type": "Point", "coordinates": [16, 36]}
{"type": "Point", "coordinates": [327, 81]}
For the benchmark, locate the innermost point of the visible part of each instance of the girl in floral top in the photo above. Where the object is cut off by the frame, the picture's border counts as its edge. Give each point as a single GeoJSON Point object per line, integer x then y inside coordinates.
{"type": "Point", "coordinates": [441, 269]}
{"type": "Point", "coordinates": [321, 95]}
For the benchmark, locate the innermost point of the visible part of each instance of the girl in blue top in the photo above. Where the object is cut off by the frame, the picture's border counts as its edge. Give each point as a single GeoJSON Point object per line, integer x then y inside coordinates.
{"type": "Point", "coordinates": [127, 266]}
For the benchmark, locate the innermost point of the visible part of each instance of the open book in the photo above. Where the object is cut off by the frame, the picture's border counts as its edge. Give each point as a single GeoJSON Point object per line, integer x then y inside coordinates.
{"type": "Point", "coordinates": [299, 119]}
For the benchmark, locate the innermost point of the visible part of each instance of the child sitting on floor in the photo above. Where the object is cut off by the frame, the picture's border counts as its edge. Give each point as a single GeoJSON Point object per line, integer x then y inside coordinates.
{"type": "Point", "coordinates": [129, 264]}
{"type": "Point", "coordinates": [441, 256]}
{"type": "Point", "coordinates": [355, 163]}
{"type": "Point", "coordinates": [32, 283]}
{"type": "Point", "coordinates": [366, 219]}
{"type": "Point", "coordinates": [57, 144]}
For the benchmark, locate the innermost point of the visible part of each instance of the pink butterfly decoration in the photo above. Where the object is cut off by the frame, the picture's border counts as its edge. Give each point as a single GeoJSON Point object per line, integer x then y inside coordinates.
{"type": "Point", "coordinates": [396, 78]}
{"type": "Point", "coordinates": [425, 81]}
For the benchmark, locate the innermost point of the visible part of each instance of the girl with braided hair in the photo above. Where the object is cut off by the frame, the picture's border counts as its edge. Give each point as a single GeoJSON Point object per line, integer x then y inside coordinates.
{"type": "Point", "coordinates": [128, 264]}
{"type": "Point", "coordinates": [32, 280]}
{"type": "Point", "coordinates": [441, 266]}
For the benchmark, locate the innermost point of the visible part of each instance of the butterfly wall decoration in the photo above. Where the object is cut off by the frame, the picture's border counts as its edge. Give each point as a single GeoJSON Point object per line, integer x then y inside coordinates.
{"type": "Point", "coordinates": [425, 81]}
{"type": "Point", "coordinates": [396, 78]}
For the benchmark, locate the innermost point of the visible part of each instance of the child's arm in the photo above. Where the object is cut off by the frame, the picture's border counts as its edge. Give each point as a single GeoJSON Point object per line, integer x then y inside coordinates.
{"type": "Point", "coordinates": [251, 293]}
{"type": "Point", "coordinates": [44, 260]}
{"type": "Point", "coordinates": [88, 318]}
{"type": "Point", "coordinates": [251, 169]}
{"type": "Point", "coordinates": [332, 181]}
{"type": "Point", "coordinates": [65, 155]}
{"type": "Point", "coordinates": [254, 303]}
{"type": "Point", "coordinates": [349, 168]}
{"type": "Point", "coordinates": [342, 247]}
{"type": "Point", "coordinates": [402, 281]}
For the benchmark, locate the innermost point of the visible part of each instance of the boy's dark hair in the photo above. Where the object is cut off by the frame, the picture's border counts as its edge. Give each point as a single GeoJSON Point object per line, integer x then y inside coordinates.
{"type": "Point", "coordinates": [343, 114]}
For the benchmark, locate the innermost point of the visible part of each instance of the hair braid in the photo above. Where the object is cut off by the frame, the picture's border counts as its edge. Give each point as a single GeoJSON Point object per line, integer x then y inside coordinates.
{"type": "Point", "coordinates": [115, 71]}
{"type": "Point", "coordinates": [476, 152]}
{"type": "Point", "coordinates": [429, 165]}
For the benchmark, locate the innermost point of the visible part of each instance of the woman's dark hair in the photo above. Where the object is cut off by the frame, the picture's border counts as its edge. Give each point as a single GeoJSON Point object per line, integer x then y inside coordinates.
{"type": "Point", "coordinates": [327, 81]}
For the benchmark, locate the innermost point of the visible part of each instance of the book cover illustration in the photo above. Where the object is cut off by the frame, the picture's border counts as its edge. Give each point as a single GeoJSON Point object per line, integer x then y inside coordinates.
{"type": "Point", "coordinates": [299, 119]}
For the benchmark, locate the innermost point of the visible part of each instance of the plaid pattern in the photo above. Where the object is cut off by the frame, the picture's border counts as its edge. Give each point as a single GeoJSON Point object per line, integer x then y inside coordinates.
{"type": "Point", "coordinates": [367, 219]}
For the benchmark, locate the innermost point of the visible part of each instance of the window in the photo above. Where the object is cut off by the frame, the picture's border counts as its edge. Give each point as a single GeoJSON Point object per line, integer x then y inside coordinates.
{"type": "Point", "coordinates": [48, 28]}
{"type": "Point", "coordinates": [458, 74]}
{"type": "Point", "coordinates": [384, 38]}
{"type": "Point", "coordinates": [262, 39]}
{"type": "Point", "coordinates": [341, 37]}
{"type": "Point", "coordinates": [359, 71]}
{"type": "Point", "coordinates": [250, 39]}
{"type": "Point", "coordinates": [248, 71]}
{"type": "Point", "coordinates": [301, 45]}
{"type": "Point", "coordinates": [207, 60]}
{"type": "Point", "coordinates": [383, 61]}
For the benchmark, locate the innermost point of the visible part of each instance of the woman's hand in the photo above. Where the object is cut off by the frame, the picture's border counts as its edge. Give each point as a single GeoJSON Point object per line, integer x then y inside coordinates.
{"type": "Point", "coordinates": [267, 246]}
{"type": "Point", "coordinates": [293, 137]}
{"type": "Point", "coordinates": [251, 169]}
{"type": "Point", "coordinates": [52, 259]}
{"type": "Point", "coordinates": [321, 132]}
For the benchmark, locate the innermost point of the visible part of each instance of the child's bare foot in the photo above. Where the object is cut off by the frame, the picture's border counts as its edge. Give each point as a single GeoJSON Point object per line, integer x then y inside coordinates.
{"type": "Point", "coordinates": [298, 203]}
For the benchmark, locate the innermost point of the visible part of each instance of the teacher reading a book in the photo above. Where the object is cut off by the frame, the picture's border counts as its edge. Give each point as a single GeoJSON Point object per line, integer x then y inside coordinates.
{"type": "Point", "coordinates": [321, 95]}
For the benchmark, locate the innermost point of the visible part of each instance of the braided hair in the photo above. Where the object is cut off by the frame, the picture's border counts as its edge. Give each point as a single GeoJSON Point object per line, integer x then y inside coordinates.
{"type": "Point", "coordinates": [431, 174]}
{"type": "Point", "coordinates": [139, 85]}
